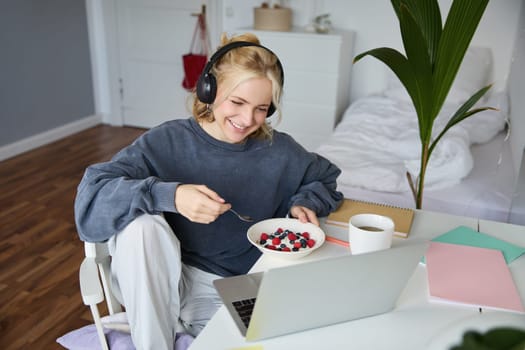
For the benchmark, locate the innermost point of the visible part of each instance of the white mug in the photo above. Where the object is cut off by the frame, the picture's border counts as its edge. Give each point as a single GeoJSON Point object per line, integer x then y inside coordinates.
{"type": "Point", "coordinates": [370, 232]}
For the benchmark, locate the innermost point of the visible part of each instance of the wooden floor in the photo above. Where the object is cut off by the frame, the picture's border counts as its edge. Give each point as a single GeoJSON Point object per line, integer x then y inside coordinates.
{"type": "Point", "coordinates": [40, 251]}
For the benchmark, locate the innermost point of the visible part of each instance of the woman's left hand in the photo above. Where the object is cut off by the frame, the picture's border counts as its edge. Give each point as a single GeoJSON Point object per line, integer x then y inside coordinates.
{"type": "Point", "coordinates": [304, 214]}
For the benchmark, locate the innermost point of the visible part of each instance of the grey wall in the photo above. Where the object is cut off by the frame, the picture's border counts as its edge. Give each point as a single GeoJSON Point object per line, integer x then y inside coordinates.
{"type": "Point", "coordinates": [45, 69]}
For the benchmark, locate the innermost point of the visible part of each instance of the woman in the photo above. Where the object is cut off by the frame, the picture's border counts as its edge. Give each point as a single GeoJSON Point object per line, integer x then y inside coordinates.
{"type": "Point", "coordinates": [163, 202]}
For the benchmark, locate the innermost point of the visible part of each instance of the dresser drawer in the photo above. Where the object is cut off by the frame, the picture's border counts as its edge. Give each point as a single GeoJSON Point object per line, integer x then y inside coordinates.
{"type": "Point", "coordinates": [305, 118]}
{"type": "Point", "coordinates": [312, 88]}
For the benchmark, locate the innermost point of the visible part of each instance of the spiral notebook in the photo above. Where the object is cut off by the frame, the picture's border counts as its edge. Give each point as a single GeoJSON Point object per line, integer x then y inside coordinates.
{"type": "Point", "coordinates": [402, 217]}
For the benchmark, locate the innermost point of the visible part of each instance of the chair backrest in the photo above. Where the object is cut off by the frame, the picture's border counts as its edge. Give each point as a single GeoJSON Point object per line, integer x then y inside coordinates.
{"type": "Point", "coordinates": [95, 268]}
{"type": "Point", "coordinates": [97, 254]}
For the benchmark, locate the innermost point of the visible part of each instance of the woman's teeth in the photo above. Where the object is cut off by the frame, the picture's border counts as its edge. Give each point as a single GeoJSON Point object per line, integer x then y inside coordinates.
{"type": "Point", "coordinates": [237, 126]}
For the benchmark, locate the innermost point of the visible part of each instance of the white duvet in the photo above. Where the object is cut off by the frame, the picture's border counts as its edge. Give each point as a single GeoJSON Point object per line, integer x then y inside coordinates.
{"type": "Point", "coordinates": [377, 142]}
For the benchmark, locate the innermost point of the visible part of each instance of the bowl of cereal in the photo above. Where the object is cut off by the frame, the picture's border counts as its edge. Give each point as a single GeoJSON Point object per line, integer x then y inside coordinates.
{"type": "Point", "coordinates": [285, 238]}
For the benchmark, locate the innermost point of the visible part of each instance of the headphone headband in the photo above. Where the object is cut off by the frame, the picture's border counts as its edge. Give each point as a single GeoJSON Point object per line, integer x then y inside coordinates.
{"type": "Point", "coordinates": [206, 88]}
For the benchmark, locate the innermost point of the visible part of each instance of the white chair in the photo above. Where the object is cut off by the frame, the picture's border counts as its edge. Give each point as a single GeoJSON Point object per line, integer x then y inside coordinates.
{"type": "Point", "coordinates": [95, 285]}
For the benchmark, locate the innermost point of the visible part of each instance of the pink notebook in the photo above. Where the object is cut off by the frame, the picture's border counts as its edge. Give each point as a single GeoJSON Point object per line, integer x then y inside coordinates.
{"type": "Point", "coordinates": [471, 276]}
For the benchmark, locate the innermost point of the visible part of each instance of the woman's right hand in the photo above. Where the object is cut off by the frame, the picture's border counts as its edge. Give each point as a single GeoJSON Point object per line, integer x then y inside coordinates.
{"type": "Point", "coordinates": [199, 204]}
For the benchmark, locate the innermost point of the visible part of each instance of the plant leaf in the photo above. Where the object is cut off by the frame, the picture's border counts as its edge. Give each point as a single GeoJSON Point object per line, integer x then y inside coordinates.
{"type": "Point", "coordinates": [456, 118]}
{"type": "Point", "coordinates": [412, 185]}
{"type": "Point", "coordinates": [463, 113]}
{"type": "Point", "coordinates": [404, 72]}
{"type": "Point", "coordinates": [462, 21]}
{"type": "Point", "coordinates": [397, 63]}
{"type": "Point", "coordinates": [427, 15]}
{"type": "Point", "coordinates": [417, 55]}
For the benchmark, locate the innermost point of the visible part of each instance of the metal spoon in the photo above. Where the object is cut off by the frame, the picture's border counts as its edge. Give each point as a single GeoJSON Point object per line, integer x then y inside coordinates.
{"type": "Point", "coordinates": [242, 217]}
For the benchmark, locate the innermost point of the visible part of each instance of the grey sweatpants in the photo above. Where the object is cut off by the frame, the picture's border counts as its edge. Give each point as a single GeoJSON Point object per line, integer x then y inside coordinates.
{"type": "Point", "coordinates": [161, 295]}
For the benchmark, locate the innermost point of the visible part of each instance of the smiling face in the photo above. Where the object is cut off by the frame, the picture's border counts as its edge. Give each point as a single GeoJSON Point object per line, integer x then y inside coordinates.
{"type": "Point", "coordinates": [242, 112]}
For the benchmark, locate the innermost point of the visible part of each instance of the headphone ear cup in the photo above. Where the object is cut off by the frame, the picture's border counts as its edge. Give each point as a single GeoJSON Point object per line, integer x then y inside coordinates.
{"type": "Point", "coordinates": [206, 88]}
{"type": "Point", "coordinates": [271, 110]}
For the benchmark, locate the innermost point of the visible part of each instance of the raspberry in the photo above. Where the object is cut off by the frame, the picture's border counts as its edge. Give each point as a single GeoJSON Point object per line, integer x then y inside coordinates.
{"type": "Point", "coordinates": [276, 241]}
{"type": "Point", "coordinates": [297, 245]}
{"type": "Point", "coordinates": [264, 236]}
{"type": "Point", "coordinates": [310, 243]}
{"type": "Point", "coordinates": [306, 235]}
{"type": "Point", "coordinates": [292, 236]}
{"type": "Point", "coordinates": [280, 230]}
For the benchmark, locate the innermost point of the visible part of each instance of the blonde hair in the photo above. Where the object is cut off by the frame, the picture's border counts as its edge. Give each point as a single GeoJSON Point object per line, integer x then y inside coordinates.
{"type": "Point", "coordinates": [235, 67]}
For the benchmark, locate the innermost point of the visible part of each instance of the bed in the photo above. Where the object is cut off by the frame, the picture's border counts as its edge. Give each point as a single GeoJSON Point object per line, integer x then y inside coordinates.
{"type": "Point", "coordinates": [471, 171]}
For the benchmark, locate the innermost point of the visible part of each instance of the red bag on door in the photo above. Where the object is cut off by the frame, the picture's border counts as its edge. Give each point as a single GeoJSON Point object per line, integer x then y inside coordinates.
{"type": "Point", "coordinates": [193, 63]}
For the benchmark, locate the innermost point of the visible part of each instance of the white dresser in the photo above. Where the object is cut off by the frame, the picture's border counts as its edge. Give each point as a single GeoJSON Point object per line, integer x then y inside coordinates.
{"type": "Point", "coordinates": [316, 80]}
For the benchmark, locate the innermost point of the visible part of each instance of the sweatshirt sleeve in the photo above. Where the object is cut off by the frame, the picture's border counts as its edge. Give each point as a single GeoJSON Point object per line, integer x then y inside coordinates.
{"type": "Point", "coordinates": [318, 190]}
{"type": "Point", "coordinates": [112, 194]}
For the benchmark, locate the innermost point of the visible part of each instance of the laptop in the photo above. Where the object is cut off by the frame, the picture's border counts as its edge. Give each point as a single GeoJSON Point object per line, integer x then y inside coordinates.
{"type": "Point", "coordinates": [318, 293]}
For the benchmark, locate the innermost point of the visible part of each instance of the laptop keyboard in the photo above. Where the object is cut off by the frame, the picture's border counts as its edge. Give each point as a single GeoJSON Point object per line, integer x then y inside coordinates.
{"type": "Point", "coordinates": [244, 308]}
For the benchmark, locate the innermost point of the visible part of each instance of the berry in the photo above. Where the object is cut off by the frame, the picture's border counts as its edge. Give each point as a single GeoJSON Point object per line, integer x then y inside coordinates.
{"type": "Point", "coordinates": [286, 240]}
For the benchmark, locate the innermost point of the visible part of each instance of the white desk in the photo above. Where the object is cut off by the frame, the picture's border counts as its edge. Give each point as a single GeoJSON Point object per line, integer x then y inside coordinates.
{"type": "Point", "coordinates": [415, 323]}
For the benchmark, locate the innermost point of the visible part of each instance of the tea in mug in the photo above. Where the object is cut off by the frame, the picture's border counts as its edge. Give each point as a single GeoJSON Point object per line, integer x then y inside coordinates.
{"type": "Point", "coordinates": [370, 228]}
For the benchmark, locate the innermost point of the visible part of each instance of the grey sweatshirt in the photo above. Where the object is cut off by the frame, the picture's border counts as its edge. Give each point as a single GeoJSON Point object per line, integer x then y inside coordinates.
{"type": "Point", "coordinates": [259, 178]}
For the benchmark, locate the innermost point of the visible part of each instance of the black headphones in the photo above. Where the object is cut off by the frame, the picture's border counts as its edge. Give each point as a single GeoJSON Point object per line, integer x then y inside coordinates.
{"type": "Point", "coordinates": [206, 88]}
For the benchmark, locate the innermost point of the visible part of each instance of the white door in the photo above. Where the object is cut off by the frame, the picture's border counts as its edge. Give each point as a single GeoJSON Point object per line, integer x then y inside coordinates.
{"type": "Point", "coordinates": [152, 36]}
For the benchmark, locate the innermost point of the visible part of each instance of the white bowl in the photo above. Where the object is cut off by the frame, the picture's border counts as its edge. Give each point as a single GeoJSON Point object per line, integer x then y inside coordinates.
{"type": "Point", "coordinates": [272, 225]}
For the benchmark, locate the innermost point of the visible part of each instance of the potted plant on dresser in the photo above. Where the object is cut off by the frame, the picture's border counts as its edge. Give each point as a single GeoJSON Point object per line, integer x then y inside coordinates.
{"type": "Point", "coordinates": [434, 53]}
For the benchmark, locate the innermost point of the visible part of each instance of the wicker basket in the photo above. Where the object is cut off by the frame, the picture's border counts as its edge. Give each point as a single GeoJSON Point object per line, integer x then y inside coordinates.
{"type": "Point", "coordinates": [278, 19]}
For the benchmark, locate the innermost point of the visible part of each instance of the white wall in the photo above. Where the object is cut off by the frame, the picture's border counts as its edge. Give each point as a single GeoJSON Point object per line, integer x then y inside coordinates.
{"type": "Point", "coordinates": [376, 25]}
{"type": "Point", "coordinates": [517, 102]}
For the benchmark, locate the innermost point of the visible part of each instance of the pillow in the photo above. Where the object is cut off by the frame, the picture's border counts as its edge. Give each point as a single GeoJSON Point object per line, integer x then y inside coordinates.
{"type": "Point", "coordinates": [475, 70]}
{"type": "Point", "coordinates": [86, 338]}
{"type": "Point", "coordinates": [483, 126]}
{"type": "Point", "coordinates": [473, 74]}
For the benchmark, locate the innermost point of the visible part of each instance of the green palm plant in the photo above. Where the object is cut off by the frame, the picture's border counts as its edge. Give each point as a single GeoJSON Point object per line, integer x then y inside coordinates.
{"type": "Point", "coordinates": [433, 56]}
{"type": "Point", "coordinates": [498, 338]}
